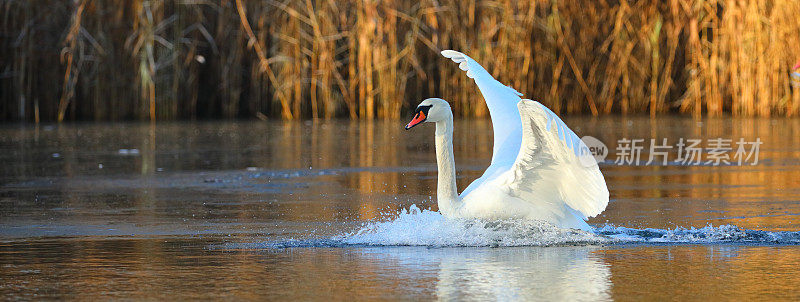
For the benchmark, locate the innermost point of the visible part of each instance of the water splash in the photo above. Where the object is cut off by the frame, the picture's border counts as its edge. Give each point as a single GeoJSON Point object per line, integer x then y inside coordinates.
{"type": "Point", "coordinates": [415, 227]}
{"type": "Point", "coordinates": [708, 234]}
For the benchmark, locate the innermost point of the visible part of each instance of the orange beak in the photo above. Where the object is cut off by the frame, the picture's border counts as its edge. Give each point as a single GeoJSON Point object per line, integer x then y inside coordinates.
{"type": "Point", "coordinates": [418, 119]}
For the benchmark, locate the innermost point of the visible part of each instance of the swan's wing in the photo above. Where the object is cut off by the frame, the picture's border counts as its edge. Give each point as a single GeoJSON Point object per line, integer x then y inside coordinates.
{"type": "Point", "coordinates": [553, 165]}
{"type": "Point", "coordinates": [502, 102]}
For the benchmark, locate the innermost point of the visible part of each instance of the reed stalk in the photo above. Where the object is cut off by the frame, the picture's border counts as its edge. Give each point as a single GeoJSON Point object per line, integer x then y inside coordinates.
{"type": "Point", "coordinates": [366, 59]}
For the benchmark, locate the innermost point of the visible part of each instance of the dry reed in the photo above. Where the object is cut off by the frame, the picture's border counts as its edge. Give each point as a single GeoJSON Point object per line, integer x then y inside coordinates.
{"type": "Point", "coordinates": [156, 60]}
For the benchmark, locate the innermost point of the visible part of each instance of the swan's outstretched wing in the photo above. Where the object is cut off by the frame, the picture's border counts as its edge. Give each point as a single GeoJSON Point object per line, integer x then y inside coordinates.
{"type": "Point", "coordinates": [553, 165]}
{"type": "Point", "coordinates": [502, 102]}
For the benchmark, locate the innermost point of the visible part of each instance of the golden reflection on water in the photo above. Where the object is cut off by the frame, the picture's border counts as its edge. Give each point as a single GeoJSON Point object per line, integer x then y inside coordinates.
{"type": "Point", "coordinates": [376, 166]}
{"type": "Point", "coordinates": [188, 269]}
{"type": "Point", "coordinates": [761, 196]}
{"type": "Point", "coordinates": [192, 177]}
{"type": "Point", "coordinates": [717, 272]}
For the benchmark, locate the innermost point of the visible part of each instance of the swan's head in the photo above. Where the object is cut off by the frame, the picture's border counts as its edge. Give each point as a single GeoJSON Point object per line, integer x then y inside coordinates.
{"type": "Point", "coordinates": [430, 110]}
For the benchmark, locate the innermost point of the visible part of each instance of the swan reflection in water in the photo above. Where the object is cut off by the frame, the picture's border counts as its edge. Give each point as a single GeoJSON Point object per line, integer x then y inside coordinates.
{"type": "Point", "coordinates": [571, 273]}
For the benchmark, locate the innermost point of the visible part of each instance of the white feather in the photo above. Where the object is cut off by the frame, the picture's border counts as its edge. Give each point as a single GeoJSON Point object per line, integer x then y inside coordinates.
{"type": "Point", "coordinates": [502, 102]}
{"type": "Point", "coordinates": [578, 180]}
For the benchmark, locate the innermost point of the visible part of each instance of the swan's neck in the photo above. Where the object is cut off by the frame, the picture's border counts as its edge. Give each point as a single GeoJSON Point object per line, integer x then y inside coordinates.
{"type": "Point", "coordinates": [446, 190]}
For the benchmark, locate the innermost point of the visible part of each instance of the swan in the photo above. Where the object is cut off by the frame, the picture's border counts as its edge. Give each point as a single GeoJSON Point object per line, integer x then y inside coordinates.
{"type": "Point", "coordinates": [540, 170]}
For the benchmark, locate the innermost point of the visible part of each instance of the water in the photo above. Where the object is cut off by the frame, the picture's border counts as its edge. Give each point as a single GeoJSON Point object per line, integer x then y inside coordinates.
{"type": "Point", "coordinates": [272, 210]}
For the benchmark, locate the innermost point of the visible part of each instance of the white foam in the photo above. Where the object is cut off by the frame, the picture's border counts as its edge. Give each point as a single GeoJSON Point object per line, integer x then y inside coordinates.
{"type": "Point", "coordinates": [415, 227]}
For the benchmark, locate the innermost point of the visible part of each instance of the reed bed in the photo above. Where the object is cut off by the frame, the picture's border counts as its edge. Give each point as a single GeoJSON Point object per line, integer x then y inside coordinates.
{"type": "Point", "coordinates": [291, 59]}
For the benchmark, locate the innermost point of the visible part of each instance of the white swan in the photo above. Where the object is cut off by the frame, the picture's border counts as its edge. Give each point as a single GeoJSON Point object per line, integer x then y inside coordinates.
{"type": "Point", "coordinates": [540, 169]}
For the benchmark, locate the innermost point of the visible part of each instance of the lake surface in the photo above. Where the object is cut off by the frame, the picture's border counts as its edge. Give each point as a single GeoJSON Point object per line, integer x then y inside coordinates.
{"type": "Point", "coordinates": [345, 210]}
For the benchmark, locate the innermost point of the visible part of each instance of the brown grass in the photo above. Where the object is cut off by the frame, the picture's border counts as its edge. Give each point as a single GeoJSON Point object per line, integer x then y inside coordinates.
{"type": "Point", "coordinates": [156, 60]}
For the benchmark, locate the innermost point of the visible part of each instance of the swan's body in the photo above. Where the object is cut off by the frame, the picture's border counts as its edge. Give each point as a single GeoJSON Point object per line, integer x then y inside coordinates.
{"type": "Point", "coordinates": [540, 169]}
